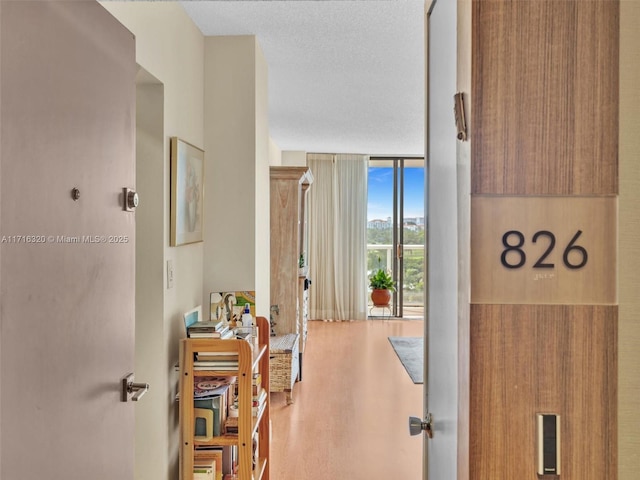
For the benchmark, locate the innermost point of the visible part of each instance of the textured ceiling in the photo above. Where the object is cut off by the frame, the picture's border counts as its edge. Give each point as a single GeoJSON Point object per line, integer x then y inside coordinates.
{"type": "Point", "coordinates": [344, 76]}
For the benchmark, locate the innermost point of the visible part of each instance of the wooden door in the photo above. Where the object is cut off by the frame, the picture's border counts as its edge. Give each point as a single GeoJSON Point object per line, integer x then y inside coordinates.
{"type": "Point", "coordinates": [67, 265]}
{"type": "Point", "coordinates": [543, 332]}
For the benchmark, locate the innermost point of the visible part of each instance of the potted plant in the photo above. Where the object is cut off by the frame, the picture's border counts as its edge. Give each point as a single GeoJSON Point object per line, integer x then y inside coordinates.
{"type": "Point", "coordinates": [381, 285]}
{"type": "Point", "coordinates": [302, 267]}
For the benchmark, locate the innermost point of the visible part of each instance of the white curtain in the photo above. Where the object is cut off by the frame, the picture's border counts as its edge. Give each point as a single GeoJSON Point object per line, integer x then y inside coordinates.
{"type": "Point", "coordinates": [338, 240]}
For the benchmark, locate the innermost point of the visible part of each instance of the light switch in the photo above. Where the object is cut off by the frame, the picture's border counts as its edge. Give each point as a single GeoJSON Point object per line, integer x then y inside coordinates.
{"type": "Point", "coordinates": [548, 444]}
{"type": "Point", "coordinates": [169, 274]}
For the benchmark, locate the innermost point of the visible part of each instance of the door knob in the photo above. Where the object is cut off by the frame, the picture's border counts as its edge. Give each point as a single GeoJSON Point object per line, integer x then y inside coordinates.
{"type": "Point", "coordinates": [417, 426]}
{"type": "Point", "coordinates": [130, 387]}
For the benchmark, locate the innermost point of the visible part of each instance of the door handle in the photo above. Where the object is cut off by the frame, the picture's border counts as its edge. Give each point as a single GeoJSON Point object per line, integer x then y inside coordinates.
{"type": "Point", "coordinates": [417, 426]}
{"type": "Point", "coordinates": [130, 387]}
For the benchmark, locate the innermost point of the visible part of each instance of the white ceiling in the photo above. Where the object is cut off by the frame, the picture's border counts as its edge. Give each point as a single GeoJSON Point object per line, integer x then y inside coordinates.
{"type": "Point", "coordinates": [345, 76]}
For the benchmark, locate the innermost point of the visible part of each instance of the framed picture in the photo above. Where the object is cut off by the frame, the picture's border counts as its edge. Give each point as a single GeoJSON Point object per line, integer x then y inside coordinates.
{"type": "Point", "coordinates": [187, 193]}
{"type": "Point", "coordinates": [228, 306]}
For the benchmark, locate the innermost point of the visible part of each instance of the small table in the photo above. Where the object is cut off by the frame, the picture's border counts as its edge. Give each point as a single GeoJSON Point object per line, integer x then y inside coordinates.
{"type": "Point", "coordinates": [383, 307]}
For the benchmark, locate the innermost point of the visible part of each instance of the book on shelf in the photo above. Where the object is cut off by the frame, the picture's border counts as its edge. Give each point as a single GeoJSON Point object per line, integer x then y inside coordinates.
{"type": "Point", "coordinates": [259, 399]}
{"type": "Point", "coordinates": [219, 358]}
{"type": "Point", "coordinates": [203, 474]}
{"type": "Point", "coordinates": [196, 327]}
{"type": "Point", "coordinates": [214, 360]}
{"type": "Point", "coordinates": [223, 334]}
{"type": "Point", "coordinates": [204, 469]}
{"type": "Point", "coordinates": [216, 368]}
{"type": "Point", "coordinates": [219, 404]}
{"type": "Point", "coordinates": [216, 356]}
{"type": "Point", "coordinates": [256, 383]}
{"type": "Point", "coordinates": [211, 365]}
{"type": "Point", "coordinates": [212, 386]}
{"type": "Point", "coordinates": [231, 426]}
{"type": "Point", "coordinates": [214, 454]}
{"type": "Point", "coordinates": [206, 324]}
{"type": "Point", "coordinates": [228, 453]}
{"type": "Point", "coordinates": [257, 411]}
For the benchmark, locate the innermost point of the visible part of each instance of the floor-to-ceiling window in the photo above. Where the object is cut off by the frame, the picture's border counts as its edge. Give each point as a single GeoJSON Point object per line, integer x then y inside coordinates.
{"type": "Point", "coordinates": [396, 231]}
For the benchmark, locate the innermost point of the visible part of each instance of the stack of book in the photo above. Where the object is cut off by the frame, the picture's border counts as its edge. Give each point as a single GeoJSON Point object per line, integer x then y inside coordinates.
{"type": "Point", "coordinates": [259, 402]}
{"type": "Point", "coordinates": [219, 361]}
{"type": "Point", "coordinates": [213, 329]}
{"type": "Point", "coordinates": [204, 469]}
{"type": "Point", "coordinates": [223, 456]}
{"type": "Point", "coordinates": [257, 406]}
{"type": "Point", "coordinates": [215, 394]}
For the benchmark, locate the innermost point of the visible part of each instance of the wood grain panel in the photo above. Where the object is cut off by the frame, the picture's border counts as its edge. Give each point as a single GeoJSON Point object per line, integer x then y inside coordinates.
{"type": "Point", "coordinates": [542, 358]}
{"type": "Point", "coordinates": [285, 192]}
{"type": "Point", "coordinates": [285, 203]}
{"type": "Point", "coordinates": [544, 116]}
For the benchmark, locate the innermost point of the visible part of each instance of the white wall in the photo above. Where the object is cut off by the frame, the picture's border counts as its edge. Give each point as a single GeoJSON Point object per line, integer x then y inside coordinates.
{"type": "Point", "coordinates": [171, 48]}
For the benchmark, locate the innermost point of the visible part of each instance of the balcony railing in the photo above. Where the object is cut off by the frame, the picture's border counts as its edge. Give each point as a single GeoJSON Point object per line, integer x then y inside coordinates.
{"type": "Point", "coordinates": [413, 275]}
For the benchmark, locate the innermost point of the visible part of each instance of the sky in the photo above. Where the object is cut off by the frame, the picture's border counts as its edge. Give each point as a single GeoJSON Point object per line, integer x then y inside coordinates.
{"type": "Point", "coordinates": [380, 202]}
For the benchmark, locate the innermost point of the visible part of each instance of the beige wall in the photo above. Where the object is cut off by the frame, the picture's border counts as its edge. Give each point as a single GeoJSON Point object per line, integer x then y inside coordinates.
{"type": "Point", "coordinates": [262, 268]}
{"type": "Point", "coordinates": [629, 248]}
{"type": "Point", "coordinates": [171, 48]}
{"type": "Point", "coordinates": [227, 116]}
{"type": "Point", "coordinates": [294, 158]}
{"type": "Point", "coordinates": [237, 186]}
{"type": "Point", "coordinates": [275, 154]}
{"type": "Point", "coordinates": [149, 264]}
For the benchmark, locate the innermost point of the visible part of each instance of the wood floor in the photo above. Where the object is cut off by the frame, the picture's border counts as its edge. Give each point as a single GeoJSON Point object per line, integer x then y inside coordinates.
{"type": "Point", "coordinates": [349, 420]}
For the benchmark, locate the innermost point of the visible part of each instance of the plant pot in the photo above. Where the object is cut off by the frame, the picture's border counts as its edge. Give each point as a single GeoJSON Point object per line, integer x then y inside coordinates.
{"type": "Point", "coordinates": [381, 298]}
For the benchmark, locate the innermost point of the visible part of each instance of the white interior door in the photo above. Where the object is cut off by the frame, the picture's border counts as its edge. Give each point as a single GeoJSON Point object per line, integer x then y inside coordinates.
{"type": "Point", "coordinates": [67, 265]}
{"type": "Point", "coordinates": [441, 347]}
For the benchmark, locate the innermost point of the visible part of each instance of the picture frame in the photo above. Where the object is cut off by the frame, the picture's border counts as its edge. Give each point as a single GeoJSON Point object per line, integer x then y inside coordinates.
{"type": "Point", "coordinates": [187, 193]}
{"type": "Point", "coordinates": [228, 306]}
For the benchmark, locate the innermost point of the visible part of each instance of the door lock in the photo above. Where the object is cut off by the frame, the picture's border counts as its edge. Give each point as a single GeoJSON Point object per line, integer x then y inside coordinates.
{"type": "Point", "coordinates": [131, 199]}
{"type": "Point", "coordinates": [130, 387]}
{"type": "Point", "coordinates": [417, 426]}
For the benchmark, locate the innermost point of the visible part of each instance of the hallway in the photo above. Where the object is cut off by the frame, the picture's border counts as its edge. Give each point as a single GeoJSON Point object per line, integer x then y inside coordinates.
{"type": "Point", "coordinates": [349, 420]}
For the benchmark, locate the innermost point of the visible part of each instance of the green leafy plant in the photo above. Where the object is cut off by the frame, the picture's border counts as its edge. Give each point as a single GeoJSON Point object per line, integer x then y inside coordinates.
{"type": "Point", "coordinates": [301, 261]}
{"type": "Point", "coordinates": [381, 280]}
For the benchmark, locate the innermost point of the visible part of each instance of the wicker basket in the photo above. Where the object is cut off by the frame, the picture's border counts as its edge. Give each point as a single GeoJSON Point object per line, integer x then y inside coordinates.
{"type": "Point", "coordinates": [283, 367]}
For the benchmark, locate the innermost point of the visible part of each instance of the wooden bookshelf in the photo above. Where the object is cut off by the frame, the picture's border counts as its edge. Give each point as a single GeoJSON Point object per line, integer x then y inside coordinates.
{"type": "Point", "coordinates": [250, 358]}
